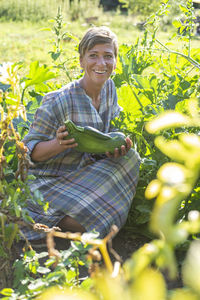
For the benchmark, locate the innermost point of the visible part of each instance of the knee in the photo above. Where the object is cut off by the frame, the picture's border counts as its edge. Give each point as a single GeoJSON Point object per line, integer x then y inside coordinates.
{"type": "Point", "coordinates": [70, 224]}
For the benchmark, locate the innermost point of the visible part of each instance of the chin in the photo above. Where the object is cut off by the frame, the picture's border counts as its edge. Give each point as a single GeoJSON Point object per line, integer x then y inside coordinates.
{"type": "Point", "coordinates": [101, 80]}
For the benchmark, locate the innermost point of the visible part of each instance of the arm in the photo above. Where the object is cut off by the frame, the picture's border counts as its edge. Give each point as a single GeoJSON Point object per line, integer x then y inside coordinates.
{"type": "Point", "coordinates": [47, 149]}
{"type": "Point", "coordinates": [45, 134]}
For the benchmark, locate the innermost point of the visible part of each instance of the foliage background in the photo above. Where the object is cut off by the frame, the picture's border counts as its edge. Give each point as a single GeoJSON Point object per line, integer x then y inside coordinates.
{"type": "Point", "coordinates": [157, 71]}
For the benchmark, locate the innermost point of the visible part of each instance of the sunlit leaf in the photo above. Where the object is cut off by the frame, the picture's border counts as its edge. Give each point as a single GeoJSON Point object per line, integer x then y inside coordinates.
{"type": "Point", "coordinates": [141, 259]}
{"type": "Point", "coordinates": [177, 23]}
{"type": "Point", "coordinates": [43, 270]}
{"type": "Point", "coordinates": [173, 149]}
{"type": "Point", "coordinates": [37, 284]}
{"type": "Point", "coordinates": [191, 267]}
{"type": "Point", "coordinates": [22, 112]}
{"type": "Point", "coordinates": [149, 285]}
{"type": "Point", "coordinates": [110, 288]}
{"type": "Point", "coordinates": [183, 294]}
{"type": "Point", "coordinates": [153, 189]}
{"type": "Point", "coordinates": [193, 107]}
{"type": "Point", "coordinates": [38, 74]}
{"type": "Point", "coordinates": [170, 119]}
{"type": "Point", "coordinates": [64, 294]}
{"type": "Point", "coordinates": [7, 292]}
{"type": "Point", "coordinates": [173, 173]}
{"type": "Point", "coordinates": [191, 141]}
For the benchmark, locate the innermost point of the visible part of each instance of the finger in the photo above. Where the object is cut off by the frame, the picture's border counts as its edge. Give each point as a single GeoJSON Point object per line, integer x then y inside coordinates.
{"type": "Point", "coordinates": [61, 128]}
{"type": "Point", "coordinates": [123, 150]}
{"type": "Point", "coordinates": [67, 142]}
{"type": "Point", "coordinates": [59, 133]}
{"type": "Point", "coordinates": [108, 154]}
{"type": "Point", "coordinates": [129, 143]}
{"type": "Point", "coordinates": [116, 153]}
{"type": "Point", "coordinates": [62, 135]}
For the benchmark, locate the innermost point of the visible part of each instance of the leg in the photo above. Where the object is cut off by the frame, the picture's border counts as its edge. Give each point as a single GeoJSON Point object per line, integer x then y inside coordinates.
{"type": "Point", "coordinates": [70, 224]}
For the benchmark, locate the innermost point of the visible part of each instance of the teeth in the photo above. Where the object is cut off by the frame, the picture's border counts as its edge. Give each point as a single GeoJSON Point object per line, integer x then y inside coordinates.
{"type": "Point", "coordinates": [100, 72]}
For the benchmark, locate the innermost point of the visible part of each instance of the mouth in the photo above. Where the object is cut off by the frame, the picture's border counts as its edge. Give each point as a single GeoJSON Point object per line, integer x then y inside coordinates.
{"type": "Point", "coordinates": [100, 72]}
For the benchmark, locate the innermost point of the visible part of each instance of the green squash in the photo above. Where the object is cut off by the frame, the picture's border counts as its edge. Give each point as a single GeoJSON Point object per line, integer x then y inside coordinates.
{"type": "Point", "coordinates": [91, 140]}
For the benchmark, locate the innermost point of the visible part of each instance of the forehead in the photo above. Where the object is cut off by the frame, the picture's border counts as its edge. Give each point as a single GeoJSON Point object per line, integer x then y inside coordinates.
{"type": "Point", "coordinates": [106, 47]}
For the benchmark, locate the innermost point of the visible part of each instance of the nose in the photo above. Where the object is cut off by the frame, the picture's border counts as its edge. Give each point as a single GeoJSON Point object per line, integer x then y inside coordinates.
{"type": "Point", "coordinates": [101, 61]}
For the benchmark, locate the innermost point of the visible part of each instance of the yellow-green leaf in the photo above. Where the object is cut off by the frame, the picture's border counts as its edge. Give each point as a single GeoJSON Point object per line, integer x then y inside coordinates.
{"type": "Point", "coordinates": [170, 119]}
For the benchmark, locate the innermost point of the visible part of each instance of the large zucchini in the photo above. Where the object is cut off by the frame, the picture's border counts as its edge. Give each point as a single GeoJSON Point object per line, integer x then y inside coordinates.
{"type": "Point", "coordinates": [91, 140]}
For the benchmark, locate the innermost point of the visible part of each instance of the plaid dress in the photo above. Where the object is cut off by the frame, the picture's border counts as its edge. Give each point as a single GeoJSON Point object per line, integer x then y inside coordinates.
{"type": "Point", "coordinates": [96, 192]}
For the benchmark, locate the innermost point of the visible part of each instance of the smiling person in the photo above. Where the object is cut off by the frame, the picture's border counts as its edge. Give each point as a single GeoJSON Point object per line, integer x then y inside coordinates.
{"type": "Point", "coordinates": [85, 192]}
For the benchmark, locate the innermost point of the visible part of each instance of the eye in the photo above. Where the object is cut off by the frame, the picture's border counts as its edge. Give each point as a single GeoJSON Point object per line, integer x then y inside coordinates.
{"type": "Point", "coordinates": [92, 55]}
{"type": "Point", "coordinates": [109, 56]}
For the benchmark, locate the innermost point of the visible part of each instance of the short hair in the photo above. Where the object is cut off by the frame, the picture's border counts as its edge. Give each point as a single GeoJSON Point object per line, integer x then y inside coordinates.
{"type": "Point", "coordinates": [97, 35]}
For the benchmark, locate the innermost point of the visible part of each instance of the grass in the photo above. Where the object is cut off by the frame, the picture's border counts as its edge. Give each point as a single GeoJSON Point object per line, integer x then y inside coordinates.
{"type": "Point", "coordinates": [25, 41]}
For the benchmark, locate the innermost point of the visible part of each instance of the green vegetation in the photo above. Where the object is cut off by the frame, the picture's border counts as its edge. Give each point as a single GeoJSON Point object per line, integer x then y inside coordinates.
{"type": "Point", "coordinates": [42, 10]}
{"type": "Point", "coordinates": [157, 80]}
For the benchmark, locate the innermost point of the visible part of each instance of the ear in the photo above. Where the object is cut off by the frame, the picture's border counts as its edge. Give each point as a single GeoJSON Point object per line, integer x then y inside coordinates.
{"type": "Point", "coordinates": [115, 64]}
{"type": "Point", "coordinates": [81, 62]}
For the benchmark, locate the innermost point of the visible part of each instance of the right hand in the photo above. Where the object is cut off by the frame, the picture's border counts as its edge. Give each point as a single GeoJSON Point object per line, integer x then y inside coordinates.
{"type": "Point", "coordinates": [64, 143]}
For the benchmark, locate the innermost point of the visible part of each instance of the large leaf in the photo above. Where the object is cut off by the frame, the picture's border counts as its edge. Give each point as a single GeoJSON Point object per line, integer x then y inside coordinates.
{"type": "Point", "coordinates": [129, 102]}
{"type": "Point", "coordinates": [170, 119]}
{"type": "Point", "coordinates": [38, 74]}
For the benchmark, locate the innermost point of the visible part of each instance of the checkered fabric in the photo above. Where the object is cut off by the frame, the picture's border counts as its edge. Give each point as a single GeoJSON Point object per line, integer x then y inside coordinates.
{"type": "Point", "coordinates": [96, 192]}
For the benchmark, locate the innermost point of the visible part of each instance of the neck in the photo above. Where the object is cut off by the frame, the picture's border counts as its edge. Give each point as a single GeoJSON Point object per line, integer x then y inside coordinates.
{"type": "Point", "coordinates": [93, 91]}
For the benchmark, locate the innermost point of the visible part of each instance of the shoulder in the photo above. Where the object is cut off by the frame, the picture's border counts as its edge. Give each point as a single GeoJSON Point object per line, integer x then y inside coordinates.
{"type": "Point", "coordinates": [110, 90]}
{"type": "Point", "coordinates": [110, 84]}
{"type": "Point", "coordinates": [60, 94]}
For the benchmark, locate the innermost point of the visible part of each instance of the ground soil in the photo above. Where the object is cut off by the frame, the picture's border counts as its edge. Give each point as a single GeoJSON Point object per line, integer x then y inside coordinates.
{"type": "Point", "coordinates": [121, 248]}
{"type": "Point", "coordinates": [125, 245]}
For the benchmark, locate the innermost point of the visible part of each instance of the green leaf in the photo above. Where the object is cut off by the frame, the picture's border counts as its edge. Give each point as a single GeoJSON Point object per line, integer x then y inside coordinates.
{"type": "Point", "coordinates": [55, 55]}
{"type": "Point", "coordinates": [143, 208]}
{"type": "Point", "coordinates": [7, 292]}
{"type": "Point", "coordinates": [87, 284]}
{"type": "Point", "coordinates": [170, 119]}
{"type": "Point", "coordinates": [173, 149]}
{"type": "Point", "coordinates": [45, 29]}
{"type": "Point", "coordinates": [50, 262]}
{"type": "Point", "coordinates": [55, 276]}
{"type": "Point", "coordinates": [191, 268]}
{"type": "Point", "coordinates": [37, 284]}
{"type": "Point", "coordinates": [71, 275]}
{"type": "Point", "coordinates": [4, 87]}
{"type": "Point", "coordinates": [177, 23]}
{"type": "Point", "coordinates": [143, 218]}
{"type": "Point", "coordinates": [38, 74]}
{"type": "Point", "coordinates": [183, 8]}
{"type": "Point", "coordinates": [43, 270]}
{"type": "Point", "coordinates": [90, 236]}
{"type": "Point", "coordinates": [31, 177]}
{"type": "Point", "coordinates": [11, 100]}
{"type": "Point", "coordinates": [17, 209]}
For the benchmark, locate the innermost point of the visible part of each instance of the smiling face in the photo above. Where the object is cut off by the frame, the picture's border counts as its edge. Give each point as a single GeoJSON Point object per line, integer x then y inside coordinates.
{"type": "Point", "coordinates": [98, 64]}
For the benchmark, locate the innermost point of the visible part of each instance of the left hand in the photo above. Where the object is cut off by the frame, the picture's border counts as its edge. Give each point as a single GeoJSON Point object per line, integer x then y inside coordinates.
{"type": "Point", "coordinates": [121, 152]}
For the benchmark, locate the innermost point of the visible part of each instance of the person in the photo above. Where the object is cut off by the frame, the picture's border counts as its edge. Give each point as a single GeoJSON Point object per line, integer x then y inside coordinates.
{"type": "Point", "coordinates": [85, 192]}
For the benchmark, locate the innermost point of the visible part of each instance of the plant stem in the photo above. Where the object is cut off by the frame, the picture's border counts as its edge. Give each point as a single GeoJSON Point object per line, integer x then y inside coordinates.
{"type": "Point", "coordinates": [136, 97]}
{"type": "Point", "coordinates": [22, 96]}
{"type": "Point", "coordinates": [191, 60]}
{"type": "Point", "coordinates": [12, 236]}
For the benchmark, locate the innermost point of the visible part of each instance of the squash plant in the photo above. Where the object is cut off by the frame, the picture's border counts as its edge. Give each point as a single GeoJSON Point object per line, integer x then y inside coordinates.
{"type": "Point", "coordinates": [14, 161]}
{"type": "Point", "coordinates": [152, 78]}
